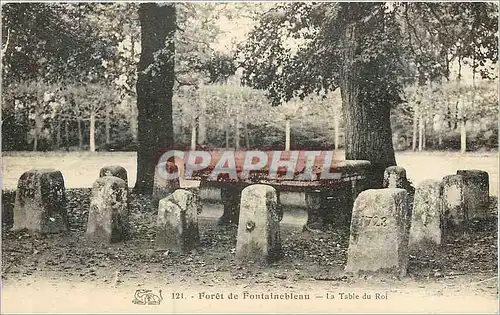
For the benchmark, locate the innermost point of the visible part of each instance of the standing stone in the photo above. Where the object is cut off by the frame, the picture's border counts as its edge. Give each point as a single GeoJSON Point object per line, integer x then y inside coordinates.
{"type": "Point", "coordinates": [114, 170]}
{"type": "Point", "coordinates": [258, 237]}
{"type": "Point", "coordinates": [315, 211]}
{"type": "Point", "coordinates": [476, 194]}
{"type": "Point", "coordinates": [379, 232]}
{"type": "Point", "coordinates": [177, 223]}
{"type": "Point", "coordinates": [108, 215]}
{"type": "Point", "coordinates": [163, 187]}
{"type": "Point", "coordinates": [427, 224]}
{"type": "Point", "coordinates": [395, 177]}
{"type": "Point", "coordinates": [40, 204]}
{"type": "Point", "coordinates": [454, 209]}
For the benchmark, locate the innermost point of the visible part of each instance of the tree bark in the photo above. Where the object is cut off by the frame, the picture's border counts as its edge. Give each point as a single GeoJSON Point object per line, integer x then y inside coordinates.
{"type": "Point", "coordinates": [154, 89]}
{"type": "Point", "coordinates": [368, 134]}
{"type": "Point", "coordinates": [92, 132]}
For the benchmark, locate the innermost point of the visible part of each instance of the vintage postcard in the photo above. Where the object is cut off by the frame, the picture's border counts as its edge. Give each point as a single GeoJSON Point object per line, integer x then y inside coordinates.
{"type": "Point", "coordinates": [249, 157]}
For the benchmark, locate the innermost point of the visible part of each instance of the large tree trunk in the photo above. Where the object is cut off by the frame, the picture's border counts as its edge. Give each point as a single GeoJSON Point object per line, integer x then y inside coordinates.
{"type": "Point", "coordinates": [154, 89]}
{"type": "Point", "coordinates": [92, 132]}
{"type": "Point", "coordinates": [368, 134]}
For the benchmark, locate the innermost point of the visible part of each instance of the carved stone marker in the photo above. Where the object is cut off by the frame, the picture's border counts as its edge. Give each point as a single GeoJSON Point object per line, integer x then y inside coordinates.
{"type": "Point", "coordinates": [40, 204]}
{"type": "Point", "coordinates": [395, 177]}
{"type": "Point", "coordinates": [258, 237]}
{"type": "Point", "coordinates": [427, 223]}
{"type": "Point", "coordinates": [454, 209]}
{"type": "Point", "coordinates": [476, 194]}
{"type": "Point", "coordinates": [163, 187]}
{"type": "Point", "coordinates": [109, 213]}
{"type": "Point", "coordinates": [114, 170]}
{"type": "Point", "coordinates": [379, 232]}
{"type": "Point", "coordinates": [177, 223]}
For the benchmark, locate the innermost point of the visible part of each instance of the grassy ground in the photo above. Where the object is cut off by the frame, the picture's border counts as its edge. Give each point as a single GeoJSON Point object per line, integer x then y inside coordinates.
{"type": "Point", "coordinates": [65, 273]}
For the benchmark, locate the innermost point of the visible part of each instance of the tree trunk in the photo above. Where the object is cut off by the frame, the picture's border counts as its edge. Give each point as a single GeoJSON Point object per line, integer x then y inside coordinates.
{"type": "Point", "coordinates": [463, 136]}
{"type": "Point", "coordinates": [108, 127]}
{"type": "Point", "coordinates": [247, 136]}
{"type": "Point", "coordinates": [66, 134]}
{"type": "Point", "coordinates": [287, 135]}
{"type": "Point", "coordinates": [80, 135]}
{"type": "Point", "coordinates": [415, 130]}
{"type": "Point", "coordinates": [237, 132]}
{"type": "Point", "coordinates": [154, 89]}
{"type": "Point", "coordinates": [420, 134]}
{"type": "Point", "coordinates": [92, 132]}
{"type": "Point", "coordinates": [193, 136]}
{"type": "Point", "coordinates": [133, 121]}
{"type": "Point", "coordinates": [368, 134]}
{"type": "Point", "coordinates": [336, 127]}
{"type": "Point", "coordinates": [227, 136]}
{"type": "Point", "coordinates": [202, 126]}
{"type": "Point", "coordinates": [58, 134]}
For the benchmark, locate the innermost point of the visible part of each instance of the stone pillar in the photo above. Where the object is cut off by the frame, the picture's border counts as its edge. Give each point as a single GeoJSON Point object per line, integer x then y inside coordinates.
{"type": "Point", "coordinates": [258, 237]}
{"type": "Point", "coordinates": [395, 177]}
{"type": "Point", "coordinates": [476, 194]}
{"type": "Point", "coordinates": [40, 204]}
{"type": "Point", "coordinates": [427, 222]}
{"type": "Point", "coordinates": [316, 218]}
{"type": "Point", "coordinates": [163, 187]}
{"type": "Point", "coordinates": [177, 223]}
{"type": "Point", "coordinates": [379, 232]}
{"type": "Point", "coordinates": [230, 196]}
{"type": "Point", "coordinates": [454, 209]}
{"type": "Point", "coordinates": [109, 213]}
{"type": "Point", "coordinates": [114, 170]}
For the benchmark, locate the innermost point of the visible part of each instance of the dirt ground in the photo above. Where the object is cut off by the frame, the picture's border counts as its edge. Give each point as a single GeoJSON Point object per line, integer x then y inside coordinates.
{"type": "Point", "coordinates": [65, 273]}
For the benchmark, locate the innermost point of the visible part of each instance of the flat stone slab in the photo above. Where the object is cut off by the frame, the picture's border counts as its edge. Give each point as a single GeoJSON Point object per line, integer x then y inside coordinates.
{"type": "Point", "coordinates": [177, 222]}
{"type": "Point", "coordinates": [114, 170]}
{"type": "Point", "coordinates": [40, 203]}
{"type": "Point", "coordinates": [476, 193]}
{"type": "Point", "coordinates": [427, 221]}
{"type": "Point", "coordinates": [109, 213]}
{"type": "Point", "coordinates": [379, 232]}
{"type": "Point", "coordinates": [258, 238]}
